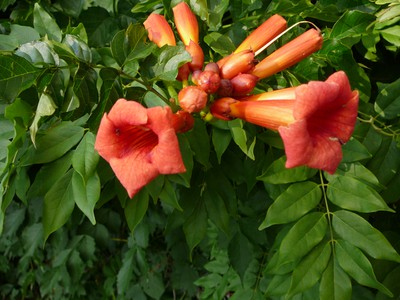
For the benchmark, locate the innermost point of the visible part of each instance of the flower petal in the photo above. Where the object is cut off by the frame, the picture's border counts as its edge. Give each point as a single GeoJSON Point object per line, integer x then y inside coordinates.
{"type": "Point", "coordinates": [186, 23]}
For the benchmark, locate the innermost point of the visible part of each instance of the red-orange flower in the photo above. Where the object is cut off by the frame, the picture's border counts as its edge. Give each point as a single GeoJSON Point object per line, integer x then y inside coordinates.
{"type": "Point", "coordinates": [159, 31]}
{"type": "Point", "coordinates": [139, 143]}
{"type": "Point", "coordinates": [313, 119]}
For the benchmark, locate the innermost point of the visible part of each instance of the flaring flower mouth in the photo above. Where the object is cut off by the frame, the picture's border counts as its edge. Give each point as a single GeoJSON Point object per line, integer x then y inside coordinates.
{"type": "Point", "coordinates": [139, 143]}
{"type": "Point", "coordinates": [313, 119]}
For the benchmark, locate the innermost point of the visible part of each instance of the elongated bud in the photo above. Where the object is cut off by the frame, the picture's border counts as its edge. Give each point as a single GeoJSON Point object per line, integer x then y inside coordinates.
{"type": "Point", "coordinates": [182, 121]}
{"type": "Point", "coordinates": [289, 54]}
{"type": "Point", "coordinates": [268, 30]}
{"type": "Point", "coordinates": [209, 81]}
{"type": "Point", "coordinates": [243, 84]}
{"type": "Point", "coordinates": [221, 108]}
{"type": "Point", "coordinates": [186, 23]}
{"type": "Point", "coordinates": [242, 62]}
{"type": "Point", "coordinates": [192, 99]}
{"type": "Point", "coordinates": [197, 55]}
{"type": "Point", "coordinates": [159, 31]}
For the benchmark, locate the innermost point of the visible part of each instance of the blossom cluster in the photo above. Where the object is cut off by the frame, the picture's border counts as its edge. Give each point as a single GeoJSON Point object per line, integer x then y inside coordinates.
{"type": "Point", "coordinates": [313, 119]}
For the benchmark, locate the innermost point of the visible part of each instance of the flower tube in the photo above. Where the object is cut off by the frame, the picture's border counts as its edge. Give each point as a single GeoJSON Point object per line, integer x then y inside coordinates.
{"type": "Point", "coordinates": [188, 30]}
{"type": "Point", "coordinates": [314, 120]}
{"type": "Point", "coordinates": [289, 54]}
{"type": "Point", "coordinates": [140, 143]}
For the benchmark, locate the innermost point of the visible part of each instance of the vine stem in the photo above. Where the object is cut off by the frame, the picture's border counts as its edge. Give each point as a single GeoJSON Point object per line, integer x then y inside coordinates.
{"type": "Point", "coordinates": [148, 87]}
{"type": "Point", "coordinates": [382, 128]}
{"type": "Point", "coordinates": [328, 212]}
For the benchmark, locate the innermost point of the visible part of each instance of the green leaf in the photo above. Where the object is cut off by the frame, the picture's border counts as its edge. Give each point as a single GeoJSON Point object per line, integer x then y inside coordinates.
{"type": "Point", "coordinates": [292, 204]}
{"type": "Point", "coordinates": [240, 137]}
{"type": "Point", "coordinates": [78, 47]}
{"type": "Point", "coordinates": [216, 209]}
{"type": "Point", "coordinates": [354, 263]}
{"type": "Point", "coordinates": [46, 107]}
{"type": "Point", "coordinates": [309, 271]}
{"type": "Point", "coordinates": [85, 87]}
{"type": "Point", "coordinates": [195, 226]}
{"type": "Point", "coordinates": [277, 173]}
{"type": "Point", "coordinates": [353, 151]}
{"type": "Point", "coordinates": [387, 103]}
{"type": "Point", "coordinates": [305, 234]}
{"type": "Point", "coordinates": [85, 157]}
{"type": "Point", "coordinates": [391, 34]}
{"type": "Point", "coordinates": [54, 143]}
{"type": "Point", "coordinates": [168, 195]}
{"type": "Point", "coordinates": [86, 193]}
{"type": "Point", "coordinates": [335, 283]}
{"type": "Point", "coordinates": [199, 141]}
{"type": "Point", "coordinates": [39, 53]}
{"type": "Point", "coordinates": [221, 140]}
{"type": "Point", "coordinates": [45, 24]}
{"type": "Point", "coordinates": [49, 174]}
{"type": "Point", "coordinates": [357, 231]}
{"type": "Point", "coordinates": [125, 273]}
{"type": "Point", "coordinates": [136, 209]}
{"type": "Point", "coordinates": [16, 75]}
{"type": "Point", "coordinates": [349, 193]}
{"type": "Point", "coordinates": [240, 253]}
{"type": "Point", "coordinates": [58, 204]}
{"type": "Point", "coordinates": [169, 61]}
{"type": "Point", "coordinates": [386, 161]}
{"type": "Point", "coordinates": [221, 44]}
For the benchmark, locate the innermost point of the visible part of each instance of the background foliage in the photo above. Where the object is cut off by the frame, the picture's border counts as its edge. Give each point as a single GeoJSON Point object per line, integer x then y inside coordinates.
{"type": "Point", "coordinates": [237, 225]}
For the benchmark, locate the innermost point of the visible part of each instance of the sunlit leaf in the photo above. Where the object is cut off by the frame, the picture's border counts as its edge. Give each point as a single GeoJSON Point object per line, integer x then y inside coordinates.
{"type": "Point", "coordinates": [85, 158]}
{"type": "Point", "coordinates": [349, 193]}
{"type": "Point", "coordinates": [293, 203]}
{"type": "Point", "coordinates": [335, 283]}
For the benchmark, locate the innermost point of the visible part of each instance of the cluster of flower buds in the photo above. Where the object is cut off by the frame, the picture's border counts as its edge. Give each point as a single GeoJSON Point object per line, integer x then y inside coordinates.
{"type": "Point", "coordinates": [313, 119]}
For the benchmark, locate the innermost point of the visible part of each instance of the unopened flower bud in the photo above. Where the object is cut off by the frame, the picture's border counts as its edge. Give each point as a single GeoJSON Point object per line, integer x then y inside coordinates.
{"type": "Point", "coordinates": [209, 81]}
{"type": "Point", "coordinates": [225, 88]}
{"type": "Point", "coordinates": [213, 67]}
{"type": "Point", "coordinates": [243, 84]}
{"type": "Point", "coordinates": [221, 108]}
{"type": "Point", "coordinates": [182, 121]}
{"type": "Point", "coordinates": [195, 76]}
{"type": "Point", "coordinates": [192, 99]}
{"type": "Point", "coordinates": [183, 72]}
{"type": "Point", "coordinates": [241, 62]}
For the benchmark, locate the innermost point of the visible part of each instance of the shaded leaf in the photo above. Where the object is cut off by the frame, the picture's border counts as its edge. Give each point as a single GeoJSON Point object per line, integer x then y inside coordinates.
{"type": "Point", "coordinates": [354, 262]}
{"type": "Point", "coordinates": [277, 173]}
{"type": "Point", "coordinates": [309, 271]}
{"type": "Point", "coordinates": [136, 209]}
{"type": "Point", "coordinates": [58, 204]}
{"type": "Point", "coordinates": [335, 283]}
{"type": "Point", "coordinates": [357, 231]}
{"type": "Point", "coordinates": [45, 24]}
{"type": "Point", "coordinates": [387, 103]}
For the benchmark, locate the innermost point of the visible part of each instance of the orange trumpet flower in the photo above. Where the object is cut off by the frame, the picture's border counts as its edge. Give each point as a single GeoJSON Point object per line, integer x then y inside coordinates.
{"type": "Point", "coordinates": [313, 119]}
{"type": "Point", "coordinates": [159, 31]}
